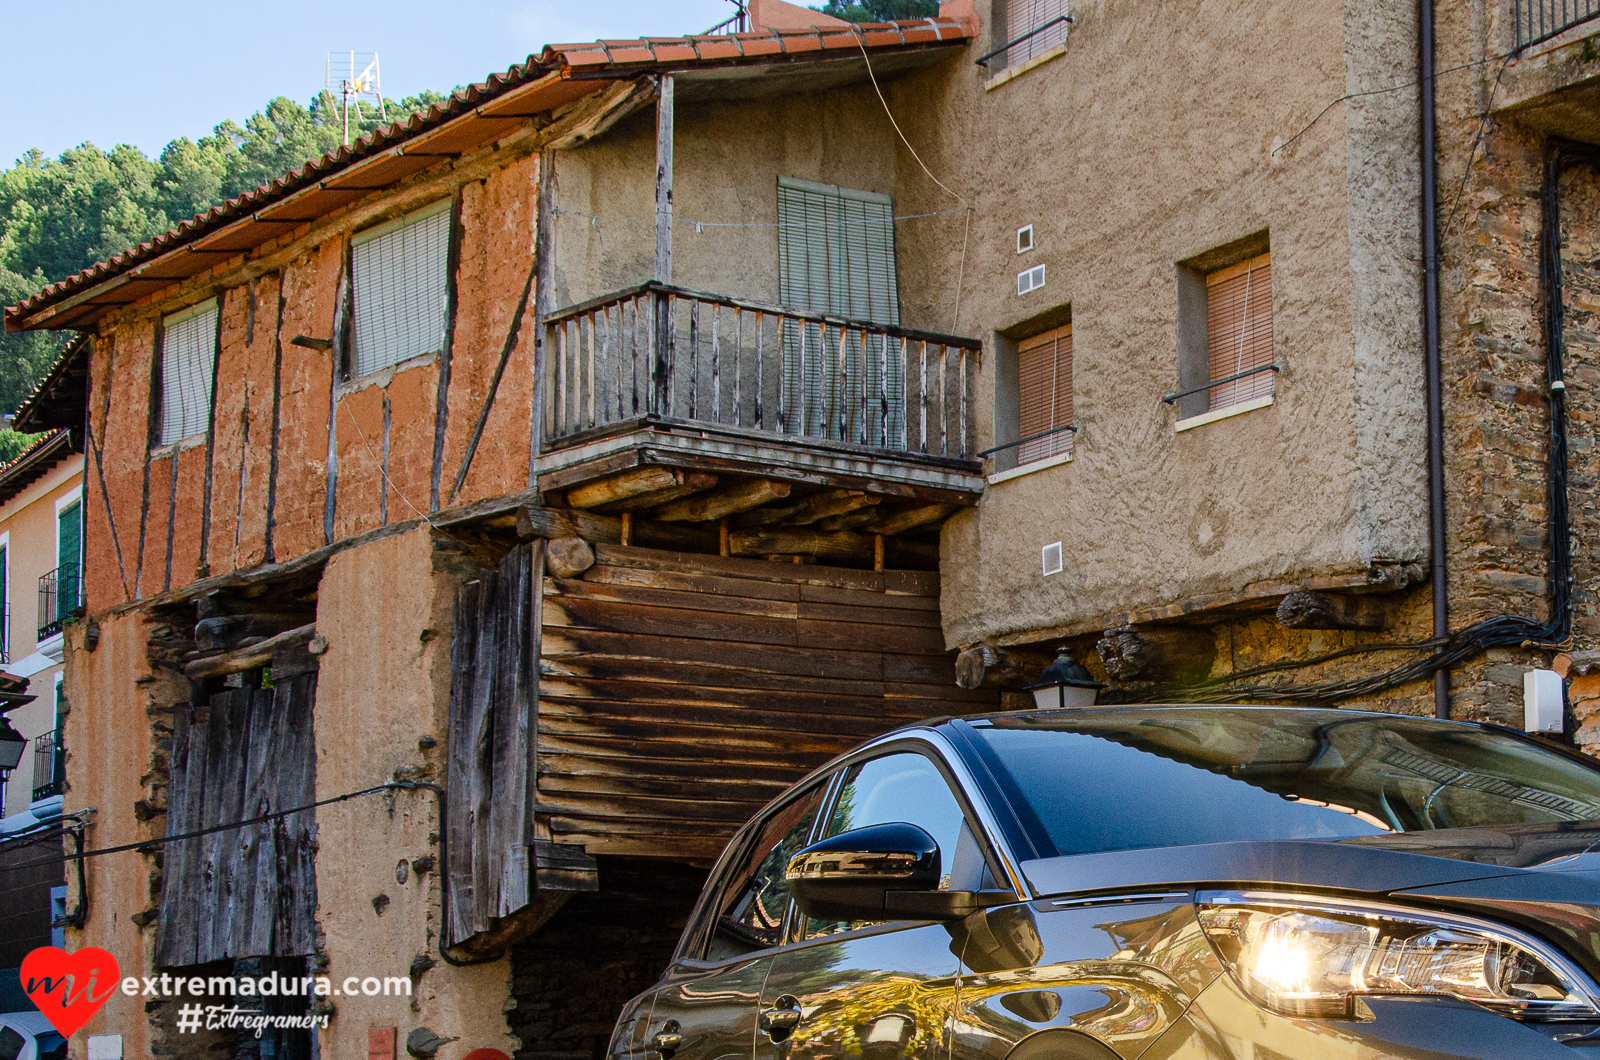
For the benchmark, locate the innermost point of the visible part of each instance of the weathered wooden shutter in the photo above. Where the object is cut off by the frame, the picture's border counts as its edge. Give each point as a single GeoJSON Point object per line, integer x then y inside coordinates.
{"type": "Point", "coordinates": [400, 288]}
{"type": "Point", "coordinates": [241, 892]}
{"type": "Point", "coordinates": [188, 355]}
{"type": "Point", "coordinates": [1024, 16]}
{"type": "Point", "coordinates": [1044, 376]}
{"type": "Point", "coordinates": [836, 256]}
{"type": "Point", "coordinates": [69, 556]}
{"type": "Point", "coordinates": [1239, 330]}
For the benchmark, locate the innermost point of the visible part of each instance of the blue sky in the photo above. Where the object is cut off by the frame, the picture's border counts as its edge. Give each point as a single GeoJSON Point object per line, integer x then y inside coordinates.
{"type": "Point", "coordinates": [144, 72]}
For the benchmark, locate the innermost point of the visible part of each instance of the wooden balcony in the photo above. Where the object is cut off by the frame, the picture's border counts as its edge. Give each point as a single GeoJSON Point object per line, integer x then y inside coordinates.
{"type": "Point", "coordinates": [718, 394]}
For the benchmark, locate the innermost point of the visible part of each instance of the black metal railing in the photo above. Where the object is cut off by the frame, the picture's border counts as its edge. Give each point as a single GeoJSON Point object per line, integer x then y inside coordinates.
{"type": "Point", "coordinates": [1038, 446]}
{"type": "Point", "coordinates": [663, 352]}
{"type": "Point", "coordinates": [49, 765]}
{"type": "Point", "coordinates": [5, 634]}
{"type": "Point", "coordinates": [58, 598]}
{"type": "Point", "coordinates": [1539, 20]}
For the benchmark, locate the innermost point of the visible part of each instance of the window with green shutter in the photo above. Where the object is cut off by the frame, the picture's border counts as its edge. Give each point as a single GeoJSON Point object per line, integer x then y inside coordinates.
{"type": "Point", "coordinates": [398, 273]}
{"type": "Point", "coordinates": [69, 558]}
{"type": "Point", "coordinates": [836, 256]}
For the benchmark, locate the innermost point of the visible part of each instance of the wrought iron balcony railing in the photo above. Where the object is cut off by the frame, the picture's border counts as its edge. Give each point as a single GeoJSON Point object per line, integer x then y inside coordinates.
{"type": "Point", "coordinates": [657, 352]}
{"type": "Point", "coordinates": [49, 765]}
{"type": "Point", "coordinates": [58, 598]}
{"type": "Point", "coordinates": [1539, 20]}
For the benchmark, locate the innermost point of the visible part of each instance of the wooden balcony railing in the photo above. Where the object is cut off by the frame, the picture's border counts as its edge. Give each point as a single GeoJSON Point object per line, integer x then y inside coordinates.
{"type": "Point", "coordinates": [667, 353]}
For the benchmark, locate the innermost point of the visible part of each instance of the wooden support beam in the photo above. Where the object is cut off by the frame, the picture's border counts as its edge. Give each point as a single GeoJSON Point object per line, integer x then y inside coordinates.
{"type": "Point", "coordinates": [849, 520]}
{"type": "Point", "coordinates": [1165, 653]}
{"type": "Point", "coordinates": [812, 509]}
{"type": "Point", "coordinates": [1306, 610]}
{"type": "Point", "coordinates": [620, 487]}
{"type": "Point", "coordinates": [249, 657]}
{"type": "Point", "coordinates": [220, 632]}
{"type": "Point", "coordinates": [568, 557]}
{"type": "Point", "coordinates": [1008, 669]}
{"type": "Point", "coordinates": [714, 506]}
{"type": "Point", "coordinates": [794, 541]}
{"type": "Point", "coordinates": [909, 519]}
{"type": "Point", "coordinates": [664, 114]}
{"type": "Point", "coordinates": [693, 482]}
{"type": "Point", "coordinates": [536, 521]}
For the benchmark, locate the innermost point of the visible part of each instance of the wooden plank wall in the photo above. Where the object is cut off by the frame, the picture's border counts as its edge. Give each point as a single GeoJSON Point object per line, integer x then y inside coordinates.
{"type": "Point", "coordinates": [492, 686]}
{"type": "Point", "coordinates": [248, 892]}
{"type": "Point", "coordinates": [679, 693]}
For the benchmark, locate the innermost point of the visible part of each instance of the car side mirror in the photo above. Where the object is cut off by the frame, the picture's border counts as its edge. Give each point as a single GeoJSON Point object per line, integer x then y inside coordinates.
{"type": "Point", "coordinates": [852, 875]}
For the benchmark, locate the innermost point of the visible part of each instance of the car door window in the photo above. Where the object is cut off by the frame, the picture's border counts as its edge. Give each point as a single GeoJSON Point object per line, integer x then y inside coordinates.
{"type": "Point", "coordinates": [750, 911]}
{"type": "Point", "coordinates": [905, 787]}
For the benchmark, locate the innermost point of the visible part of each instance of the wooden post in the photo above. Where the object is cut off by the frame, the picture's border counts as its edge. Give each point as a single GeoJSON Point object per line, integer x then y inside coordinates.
{"type": "Point", "coordinates": [877, 551]}
{"type": "Point", "coordinates": [722, 533]}
{"type": "Point", "coordinates": [627, 529]}
{"type": "Point", "coordinates": [664, 178]}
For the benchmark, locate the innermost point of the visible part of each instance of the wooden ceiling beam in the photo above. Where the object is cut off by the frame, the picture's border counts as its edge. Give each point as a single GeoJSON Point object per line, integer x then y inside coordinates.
{"type": "Point", "coordinates": [693, 482]}
{"type": "Point", "coordinates": [909, 519]}
{"type": "Point", "coordinates": [620, 487]}
{"type": "Point", "coordinates": [740, 498]}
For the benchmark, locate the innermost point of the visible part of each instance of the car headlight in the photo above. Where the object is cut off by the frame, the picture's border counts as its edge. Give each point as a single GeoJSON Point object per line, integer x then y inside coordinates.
{"type": "Point", "coordinates": [1311, 957]}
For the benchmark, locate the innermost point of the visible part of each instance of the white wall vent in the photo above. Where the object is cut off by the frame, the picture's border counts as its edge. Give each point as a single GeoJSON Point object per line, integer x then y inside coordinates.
{"type": "Point", "coordinates": [1024, 239]}
{"type": "Point", "coordinates": [1051, 557]}
{"type": "Point", "coordinates": [1030, 279]}
{"type": "Point", "coordinates": [1542, 705]}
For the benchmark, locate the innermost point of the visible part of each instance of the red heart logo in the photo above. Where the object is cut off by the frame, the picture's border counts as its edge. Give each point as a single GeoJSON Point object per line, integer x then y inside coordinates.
{"type": "Point", "coordinates": [69, 988]}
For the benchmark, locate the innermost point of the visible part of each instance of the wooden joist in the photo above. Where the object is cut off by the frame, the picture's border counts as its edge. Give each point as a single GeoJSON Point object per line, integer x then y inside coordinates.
{"type": "Point", "coordinates": [1169, 653]}
{"type": "Point", "coordinates": [1306, 610]}
{"type": "Point", "coordinates": [227, 631]}
{"type": "Point", "coordinates": [620, 487]}
{"type": "Point", "coordinates": [536, 521]}
{"type": "Point", "coordinates": [849, 520]}
{"type": "Point", "coordinates": [723, 502]}
{"type": "Point", "coordinates": [909, 519]}
{"type": "Point", "coordinates": [812, 509]}
{"type": "Point", "coordinates": [1003, 668]}
{"type": "Point", "coordinates": [248, 657]}
{"type": "Point", "coordinates": [794, 541]}
{"type": "Point", "coordinates": [693, 482]}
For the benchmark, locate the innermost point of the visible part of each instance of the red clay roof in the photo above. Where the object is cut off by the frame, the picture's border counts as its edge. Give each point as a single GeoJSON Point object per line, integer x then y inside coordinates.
{"type": "Point", "coordinates": [474, 116]}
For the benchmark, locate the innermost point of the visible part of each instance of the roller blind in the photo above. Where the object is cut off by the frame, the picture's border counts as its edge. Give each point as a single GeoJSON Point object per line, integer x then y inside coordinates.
{"type": "Point", "coordinates": [1239, 330]}
{"type": "Point", "coordinates": [1024, 16]}
{"type": "Point", "coordinates": [836, 255]}
{"type": "Point", "coordinates": [1044, 379]}
{"type": "Point", "coordinates": [398, 273]}
{"type": "Point", "coordinates": [188, 355]}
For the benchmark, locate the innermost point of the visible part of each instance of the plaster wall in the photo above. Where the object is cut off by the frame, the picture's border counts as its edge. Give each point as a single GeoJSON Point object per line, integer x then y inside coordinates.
{"type": "Point", "coordinates": [29, 523]}
{"type": "Point", "coordinates": [727, 158]}
{"type": "Point", "coordinates": [383, 687]}
{"type": "Point", "coordinates": [1149, 142]}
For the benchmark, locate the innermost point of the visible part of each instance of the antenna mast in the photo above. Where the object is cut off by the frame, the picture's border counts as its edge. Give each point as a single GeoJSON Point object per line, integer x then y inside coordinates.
{"type": "Point", "coordinates": [354, 76]}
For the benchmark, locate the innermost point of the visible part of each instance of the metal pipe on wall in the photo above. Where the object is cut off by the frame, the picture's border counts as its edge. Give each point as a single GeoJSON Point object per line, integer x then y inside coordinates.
{"type": "Point", "coordinates": [1433, 368]}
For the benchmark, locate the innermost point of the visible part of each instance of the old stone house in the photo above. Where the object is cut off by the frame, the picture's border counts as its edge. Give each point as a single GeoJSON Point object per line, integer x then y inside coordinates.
{"type": "Point", "coordinates": [560, 474]}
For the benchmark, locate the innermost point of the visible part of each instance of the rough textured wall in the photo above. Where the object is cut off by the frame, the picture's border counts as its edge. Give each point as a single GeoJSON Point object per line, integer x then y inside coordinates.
{"type": "Point", "coordinates": [242, 421]}
{"type": "Point", "coordinates": [381, 695]}
{"type": "Point", "coordinates": [727, 158]}
{"type": "Point", "coordinates": [121, 424]}
{"type": "Point", "coordinates": [499, 225]}
{"type": "Point", "coordinates": [117, 740]}
{"type": "Point", "coordinates": [305, 386]}
{"type": "Point", "coordinates": [1132, 185]}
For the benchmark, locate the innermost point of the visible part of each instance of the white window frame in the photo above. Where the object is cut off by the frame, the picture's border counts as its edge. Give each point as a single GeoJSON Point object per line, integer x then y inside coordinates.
{"type": "Point", "coordinates": [207, 366]}
{"type": "Point", "coordinates": [408, 346]}
{"type": "Point", "coordinates": [1037, 50]}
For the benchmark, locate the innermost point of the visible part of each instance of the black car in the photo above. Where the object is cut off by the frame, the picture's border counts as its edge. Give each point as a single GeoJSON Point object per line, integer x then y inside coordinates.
{"type": "Point", "coordinates": [1160, 882]}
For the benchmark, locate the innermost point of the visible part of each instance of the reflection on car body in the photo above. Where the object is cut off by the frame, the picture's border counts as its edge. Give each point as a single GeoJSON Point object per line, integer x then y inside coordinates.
{"type": "Point", "coordinates": [1163, 882]}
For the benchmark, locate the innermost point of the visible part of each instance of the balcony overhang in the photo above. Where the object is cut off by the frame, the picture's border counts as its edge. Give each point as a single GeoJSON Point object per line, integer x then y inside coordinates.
{"type": "Point", "coordinates": [1556, 90]}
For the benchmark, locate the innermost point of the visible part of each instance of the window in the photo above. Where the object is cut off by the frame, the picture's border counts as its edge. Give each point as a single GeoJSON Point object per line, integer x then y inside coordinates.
{"type": "Point", "coordinates": [1030, 280]}
{"type": "Point", "coordinates": [401, 288]}
{"type": "Point", "coordinates": [69, 555]}
{"type": "Point", "coordinates": [901, 788]}
{"type": "Point", "coordinates": [1023, 17]}
{"type": "Point", "coordinates": [1044, 394]}
{"type": "Point", "coordinates": [188, 357]}
{"type": "Point", "coordinates": [1239, 331]}
{"type": "Point", "coordinates": [836, 255]}
{"type": "Point", "coordinates": [750, 911]}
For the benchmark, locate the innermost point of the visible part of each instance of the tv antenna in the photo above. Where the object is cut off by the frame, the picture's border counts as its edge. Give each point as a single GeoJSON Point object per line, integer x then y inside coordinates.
{"type": "Point", "coordinates": [354, 76]}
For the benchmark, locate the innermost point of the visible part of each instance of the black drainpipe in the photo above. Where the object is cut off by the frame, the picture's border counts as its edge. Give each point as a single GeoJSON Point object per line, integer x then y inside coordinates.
{"type": "Point", "coordinates": [1433, 369]}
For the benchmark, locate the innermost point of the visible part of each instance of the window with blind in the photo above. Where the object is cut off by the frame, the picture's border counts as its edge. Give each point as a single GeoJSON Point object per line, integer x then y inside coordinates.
{"type": "Point", "coordinates": [188, 357]}
{"type": "Point", "coordinates": [1044, 394]}
{"type": "Point", "coordinates": [1239, 331]}
{"type": "Point", "coordinates": [398, 273]}
{"type": "Point", "coordinates": [836, 256]}
{"type": "Point", "coordinates": [1023, 17]}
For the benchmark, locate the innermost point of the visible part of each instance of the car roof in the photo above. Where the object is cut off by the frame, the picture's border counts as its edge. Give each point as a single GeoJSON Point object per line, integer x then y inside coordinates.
{"type": "Point", "coordinates": [942, 720]}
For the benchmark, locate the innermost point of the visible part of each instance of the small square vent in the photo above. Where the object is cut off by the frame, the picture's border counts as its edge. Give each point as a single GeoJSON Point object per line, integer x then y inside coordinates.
{"type": "Point", "coordinates": [1051, 556]}
{"type": "Point", "coordinates": [1024, 239]}
{"type": "Point", "coordinates": [1030, 279]}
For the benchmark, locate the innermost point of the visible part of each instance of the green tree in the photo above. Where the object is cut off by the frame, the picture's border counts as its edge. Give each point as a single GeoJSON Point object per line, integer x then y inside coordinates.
{"type": "Point", "coordinates": [59, 216]}
{"type": "Point", "coordinates": [879, 10]}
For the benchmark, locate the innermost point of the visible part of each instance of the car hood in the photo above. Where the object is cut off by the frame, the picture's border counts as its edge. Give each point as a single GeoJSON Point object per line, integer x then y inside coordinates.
{"type": "Point", "coordinates": [1370, 864]}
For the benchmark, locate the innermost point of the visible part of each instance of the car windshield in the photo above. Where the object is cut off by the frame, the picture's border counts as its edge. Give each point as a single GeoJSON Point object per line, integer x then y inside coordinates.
{"type": "Point", "coordinates": [1161, 777]}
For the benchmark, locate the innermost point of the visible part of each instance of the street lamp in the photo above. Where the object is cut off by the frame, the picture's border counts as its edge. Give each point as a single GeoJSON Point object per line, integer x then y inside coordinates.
{"type": "Point", "coordinates": [12, 744]}
{"type": "Point", "coordinates": [1064, 683]}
